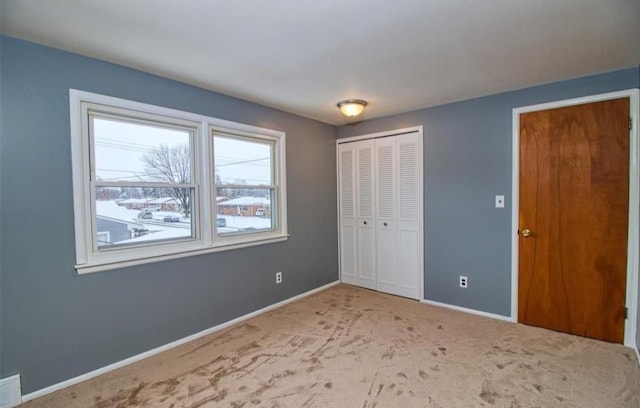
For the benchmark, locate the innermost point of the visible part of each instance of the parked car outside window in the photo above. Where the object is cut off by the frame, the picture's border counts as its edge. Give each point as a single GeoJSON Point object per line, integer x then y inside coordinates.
{"type": "Point", "coordinates": [221, 222]}
{"type": "Point", "coordinates": [145, 214]}
{"type": "Point", "coordinates": [171, 218]}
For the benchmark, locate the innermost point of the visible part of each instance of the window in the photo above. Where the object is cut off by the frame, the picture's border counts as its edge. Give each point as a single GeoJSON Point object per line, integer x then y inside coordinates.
{"type": "Point", "coordinates": [152, 183]}
{"type": "Point", "coordinates": [245, 174]}
{"type": "Point", "coordinates": [146, 161]}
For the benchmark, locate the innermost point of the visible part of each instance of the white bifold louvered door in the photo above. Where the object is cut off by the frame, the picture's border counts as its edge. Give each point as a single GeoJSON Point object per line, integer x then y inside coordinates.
{"type": "Point", "coordinates": [386, 225]}
{"type": "Point", "coordinates": [357, 213]}
{"type": "Point", "coordinates": [347, 212]}
{"type": "Point", "coordinates": [398, 239]}
{"type": "Point", "coordinates": [380, 213]}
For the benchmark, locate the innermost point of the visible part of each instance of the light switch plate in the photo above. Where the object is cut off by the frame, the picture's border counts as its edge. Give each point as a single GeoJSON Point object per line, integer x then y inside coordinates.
{"type": "Point", "coordinates": [499, 201]}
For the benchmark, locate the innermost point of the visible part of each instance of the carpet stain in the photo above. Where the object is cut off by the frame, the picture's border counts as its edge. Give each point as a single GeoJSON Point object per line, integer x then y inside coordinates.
{"type": "Point", "coordinates": [230, 335]}
{"type": "Point", "coordinates": [170, 385]}
{"type": "Point", "coordinates": [212, 398]}
{"type": "Point", "coordinates": [389, 353]}
{"type": "Point", "coordinates": [349, 342]}
{"type": "Point", "coordinates": [487, 394]}
{"type": "Point", "coordinates": [248, 347]}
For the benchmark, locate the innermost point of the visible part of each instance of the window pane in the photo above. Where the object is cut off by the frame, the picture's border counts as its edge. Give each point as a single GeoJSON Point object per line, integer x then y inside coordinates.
{"type": "Point", "coordinates": [244, 210]}
{"type": "Point", "coordinates": [242, 162]}
{"type": "Point", "coordinates": [132, 215]}
{"type": "Point", "coordinates": [127, 151]}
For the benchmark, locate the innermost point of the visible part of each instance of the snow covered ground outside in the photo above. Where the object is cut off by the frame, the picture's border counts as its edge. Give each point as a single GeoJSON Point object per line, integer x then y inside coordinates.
{"type": "Point", "coordinates": [111, 209]}
{"type": "Point", "coordinates": [240, 222]}
{"type": "Point", "coordinates": [158, 229]}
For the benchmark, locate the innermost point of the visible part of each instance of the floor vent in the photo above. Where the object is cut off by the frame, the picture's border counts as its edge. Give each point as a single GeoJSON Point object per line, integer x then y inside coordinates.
{"type": "Point", "coordinates": [10, 395]}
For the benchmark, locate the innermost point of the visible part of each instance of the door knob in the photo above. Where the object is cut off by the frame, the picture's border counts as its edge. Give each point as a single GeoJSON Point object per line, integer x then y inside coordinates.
{"type": "Point", "coordinates": [526, 232]}
{"type": "Point", "coordinates": [385, 224]}
{"type": "Point", "coordinates": [365, 223]}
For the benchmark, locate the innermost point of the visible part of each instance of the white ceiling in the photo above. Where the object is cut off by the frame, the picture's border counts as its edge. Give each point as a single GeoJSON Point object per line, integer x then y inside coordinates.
{"type": "Point", "coordinates": [304, 56]}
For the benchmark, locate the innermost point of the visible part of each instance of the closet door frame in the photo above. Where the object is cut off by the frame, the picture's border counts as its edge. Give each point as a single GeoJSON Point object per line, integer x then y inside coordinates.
{"type": "Point", "coordinates": [419, 131]}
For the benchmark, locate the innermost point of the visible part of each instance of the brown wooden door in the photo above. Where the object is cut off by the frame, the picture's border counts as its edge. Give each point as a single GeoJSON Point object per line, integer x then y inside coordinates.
{"type": "Point", "coordinates": [574, 195]}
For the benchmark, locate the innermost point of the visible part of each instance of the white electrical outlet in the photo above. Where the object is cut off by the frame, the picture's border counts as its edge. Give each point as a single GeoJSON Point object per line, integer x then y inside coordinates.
{"type": "Point", "coordinates": [499, 201]}
{"type": "Point", "coordinates": [278, 278]}
{"type": "Point", "coordinates": [463, 281]}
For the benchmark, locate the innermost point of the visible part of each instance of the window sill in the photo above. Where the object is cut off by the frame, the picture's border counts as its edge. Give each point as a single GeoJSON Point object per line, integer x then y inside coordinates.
{"type": "Point", "coordinates": [102, 265]}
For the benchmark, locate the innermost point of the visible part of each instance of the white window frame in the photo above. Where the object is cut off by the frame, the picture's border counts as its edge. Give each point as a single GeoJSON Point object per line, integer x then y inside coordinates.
{"type": "Point", "coordinates": [205, 240]}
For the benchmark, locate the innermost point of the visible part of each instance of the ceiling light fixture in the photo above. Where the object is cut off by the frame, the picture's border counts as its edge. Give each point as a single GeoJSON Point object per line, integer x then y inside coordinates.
{"type": "Point", "coordinates": [352, 107]}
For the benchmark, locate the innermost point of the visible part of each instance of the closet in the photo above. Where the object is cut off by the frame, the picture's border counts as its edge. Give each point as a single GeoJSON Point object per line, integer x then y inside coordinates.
{"type": "Point", "coordinates": [380, 211]}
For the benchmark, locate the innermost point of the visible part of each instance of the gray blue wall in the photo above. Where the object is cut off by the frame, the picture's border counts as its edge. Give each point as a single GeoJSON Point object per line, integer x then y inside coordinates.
{"type": "Point", "coordinates": [467, 161]}
{"type": "Point", "coordinates": [56, 324]}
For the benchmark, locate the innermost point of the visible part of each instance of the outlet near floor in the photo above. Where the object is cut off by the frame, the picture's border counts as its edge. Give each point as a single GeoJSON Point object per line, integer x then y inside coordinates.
{"type": "Point", "coordinates": [463, 281]}
{"type": "Point", "coordinates": [278, 277]}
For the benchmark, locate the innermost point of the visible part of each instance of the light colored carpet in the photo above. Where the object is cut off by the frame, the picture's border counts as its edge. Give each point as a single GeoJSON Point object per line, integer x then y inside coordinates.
{"type": "Point", "coordinates": [350, 347]}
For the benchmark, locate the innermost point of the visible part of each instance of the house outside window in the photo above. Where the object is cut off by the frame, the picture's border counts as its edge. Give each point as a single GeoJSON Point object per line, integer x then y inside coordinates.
{"type": "Point", "coordinates": [151, 183]}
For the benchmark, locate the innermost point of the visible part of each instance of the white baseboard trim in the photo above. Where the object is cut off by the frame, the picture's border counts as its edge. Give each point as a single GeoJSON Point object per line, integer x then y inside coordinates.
{"type": "Point", "coordinates": [10, 391]}
{"type": "Point", "coordinates": [466, 310]}
{"type": "Point", "coordinates": [635, 348]}
{"type": "Point", "coordinates": [141, 356]}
